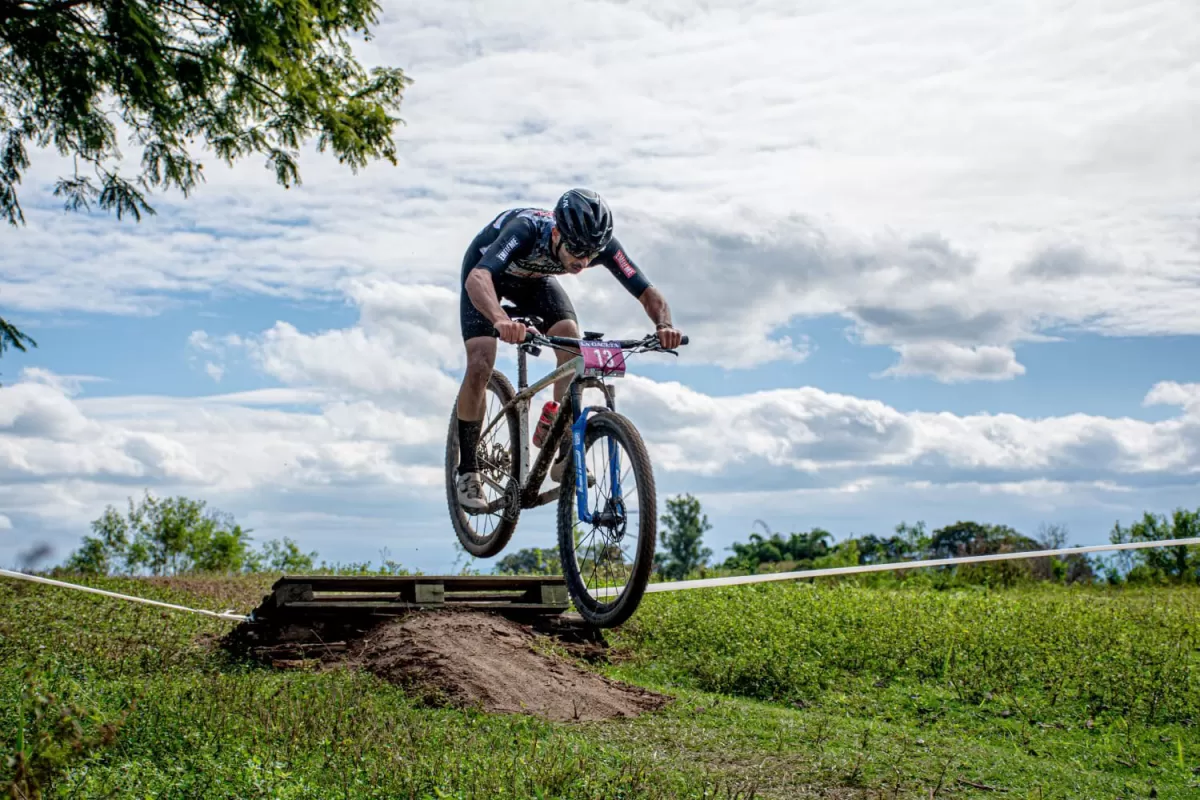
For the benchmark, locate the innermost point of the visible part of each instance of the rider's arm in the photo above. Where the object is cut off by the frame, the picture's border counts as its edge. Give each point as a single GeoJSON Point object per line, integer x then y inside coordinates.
{"type": "Point", "coordinates": [482, 292]}
{"type": "Point", "coordinates": [634, 280]}
{"type": "Point", "coordinates": [656, 306]}
{"type": "Point", "coordinates": [618, 262]}
{"type": "Point", "coordinates": [515, 239]}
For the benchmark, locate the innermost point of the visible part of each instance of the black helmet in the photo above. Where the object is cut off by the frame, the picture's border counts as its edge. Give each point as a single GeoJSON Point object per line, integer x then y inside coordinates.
{"type": "Point", "coordinates": [583, 221]}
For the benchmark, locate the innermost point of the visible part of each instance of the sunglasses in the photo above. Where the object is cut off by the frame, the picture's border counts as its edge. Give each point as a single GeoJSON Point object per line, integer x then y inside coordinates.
{"type": "Point", "coordinates": [583, 253]}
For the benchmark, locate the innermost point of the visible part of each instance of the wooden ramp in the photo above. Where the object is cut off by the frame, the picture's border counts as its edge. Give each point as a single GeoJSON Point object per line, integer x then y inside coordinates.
{"type": "Point", "coordinates": [296, 597]}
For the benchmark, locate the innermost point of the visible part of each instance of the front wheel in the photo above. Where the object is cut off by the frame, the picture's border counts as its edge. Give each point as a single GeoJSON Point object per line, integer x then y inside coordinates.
{"type": "Point", "coordinates": [607, 562]}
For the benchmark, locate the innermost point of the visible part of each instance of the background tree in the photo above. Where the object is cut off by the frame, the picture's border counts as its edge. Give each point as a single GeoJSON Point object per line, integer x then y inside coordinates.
{"type": "Point", "coordinates": [530, 561]}
{"type": "Point", "coordinates": [9, 335]}
{"type": "Point", "coordinates": [165, 537]}
{"type": "Point", "coordinates": [168, 534]}
{"type": "Point", "coordinates": [240, 76]}
{"type": "Point", "coordinates": [283, 556]}
{"type": "Point", "coordinates": [1179, 564]}
{"type": "Point", "coordinates": [106, 552]}
{"type": "Point", "coordinates": [798, 549]}
{"type": "Point", "coordinates": [681, 540]}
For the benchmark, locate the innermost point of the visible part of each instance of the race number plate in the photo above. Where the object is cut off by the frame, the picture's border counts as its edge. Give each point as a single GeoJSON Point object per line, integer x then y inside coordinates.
{"type": "Point", "coordinates": [602, 359]}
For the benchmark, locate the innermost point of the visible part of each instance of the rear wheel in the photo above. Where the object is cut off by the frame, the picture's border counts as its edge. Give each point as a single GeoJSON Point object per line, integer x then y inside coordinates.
{"type": "Point", "coordinates": [484, 535]}
{"type": "Point", "coordinates": [615, 552]}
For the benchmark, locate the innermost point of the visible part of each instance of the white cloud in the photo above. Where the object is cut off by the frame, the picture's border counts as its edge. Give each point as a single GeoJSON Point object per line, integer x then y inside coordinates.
{"type": "Point", "coordinates": [219, 442]}
{"type": "Point", "coordinates": [316, 451]}
{"type": "Point", "coordinates": [5, 523]}
{"type": "Point", "coordinates": [974, 167]}
{"type": "Point", "coordinates": [780, 439]}
{"type": "Point", "coordinates": [806, 437]}
{"type": "Point", "coordinates": [951, 363]}
{"type": "Point", "coordinates": [950, 182]}
{"type": "Point", "coordinates": [1170, 393]}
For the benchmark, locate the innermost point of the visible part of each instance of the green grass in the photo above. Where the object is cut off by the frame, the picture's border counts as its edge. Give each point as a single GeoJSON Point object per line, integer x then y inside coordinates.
{"type": "Point", "coordinates": [1045, 691]}
{"type": "Point", "coordinates": [792, 690]}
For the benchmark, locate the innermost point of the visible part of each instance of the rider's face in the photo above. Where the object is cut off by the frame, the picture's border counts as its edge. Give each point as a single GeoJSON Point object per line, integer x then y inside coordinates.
{"type": "Point", "coordinates": [571, 263]}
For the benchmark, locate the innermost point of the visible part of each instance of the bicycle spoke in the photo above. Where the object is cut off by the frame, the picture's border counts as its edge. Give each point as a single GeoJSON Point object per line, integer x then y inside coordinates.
{"type": "Point", "coordinates": [604, 553]}
{"type": "Point", "coordinates": [593, 575]}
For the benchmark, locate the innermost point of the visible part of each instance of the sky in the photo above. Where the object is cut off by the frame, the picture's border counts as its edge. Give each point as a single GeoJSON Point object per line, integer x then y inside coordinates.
{"type": "Point", "coordinates": [936, 262]}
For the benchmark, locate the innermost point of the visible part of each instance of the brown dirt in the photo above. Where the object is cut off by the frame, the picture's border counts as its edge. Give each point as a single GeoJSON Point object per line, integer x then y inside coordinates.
{"type": "Point", "coordinates": [465, 658]}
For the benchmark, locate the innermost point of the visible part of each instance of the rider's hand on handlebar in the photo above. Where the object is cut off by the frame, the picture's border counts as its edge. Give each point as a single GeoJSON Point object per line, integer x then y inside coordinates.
{"type": "Point", "coordinates": [669, 338]}
{"type": "Point", "coordinates": [511, 332]}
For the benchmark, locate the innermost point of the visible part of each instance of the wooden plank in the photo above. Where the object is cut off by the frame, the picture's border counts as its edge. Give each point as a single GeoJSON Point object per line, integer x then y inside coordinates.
{"type": "Point", "coordinates": [375, 583]}
{"type": "Point", "coordinates": [292, 592]}
{"type": "Point", "coordinates": [353, 596]}
{"type": "Point", "coordinates": [376, 597]}
{"type": "Point", "coordinates": [335, 597]}
{"type": "Point", "coordinates": [553, 595]}
{"type": "Point", "coordinates": [429, 593]}
{"type": "Point", "coordinates": [371, 607]}
{"type": "Point", "coordinates": [353, 605]}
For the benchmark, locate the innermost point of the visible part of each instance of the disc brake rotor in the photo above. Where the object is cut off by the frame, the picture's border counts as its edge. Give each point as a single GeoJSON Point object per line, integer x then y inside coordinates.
{"type": "Point", "coordinates": [496, 461]}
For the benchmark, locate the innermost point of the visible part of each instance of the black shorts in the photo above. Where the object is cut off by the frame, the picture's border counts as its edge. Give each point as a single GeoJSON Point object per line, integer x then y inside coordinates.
{"type": "Point", "coordinates": [537, 297]}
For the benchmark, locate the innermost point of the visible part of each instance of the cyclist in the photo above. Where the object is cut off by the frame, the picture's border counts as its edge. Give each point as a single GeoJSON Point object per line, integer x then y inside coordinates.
{"type": "Point", "coordinates": [516, 257]}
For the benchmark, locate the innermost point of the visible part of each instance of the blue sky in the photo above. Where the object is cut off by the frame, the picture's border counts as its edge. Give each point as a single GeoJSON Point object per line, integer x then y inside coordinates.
{"type": "Point", "coordinates": [935, 266]}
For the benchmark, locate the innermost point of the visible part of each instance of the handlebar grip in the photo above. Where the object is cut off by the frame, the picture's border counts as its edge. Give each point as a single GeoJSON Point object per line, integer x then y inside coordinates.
{"type": "Point", "coordinates": [495, 334]}
{"type": "Point", "coordinates": [684, 340]}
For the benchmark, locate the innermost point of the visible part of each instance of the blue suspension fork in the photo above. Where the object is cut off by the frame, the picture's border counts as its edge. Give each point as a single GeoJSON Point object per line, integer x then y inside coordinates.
{"type": "Point", "coordinates": [578, 426]}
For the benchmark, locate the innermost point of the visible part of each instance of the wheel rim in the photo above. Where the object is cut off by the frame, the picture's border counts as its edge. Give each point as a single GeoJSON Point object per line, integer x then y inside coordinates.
{"type": "Point", "coordinates": [606, 549]}
{"type": "Point", "coordinates": [494, 458]}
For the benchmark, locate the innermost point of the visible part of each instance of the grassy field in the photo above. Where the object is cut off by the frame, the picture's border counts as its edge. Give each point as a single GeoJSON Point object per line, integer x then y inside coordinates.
{"type": "Point", "coordinates": [782, 691]}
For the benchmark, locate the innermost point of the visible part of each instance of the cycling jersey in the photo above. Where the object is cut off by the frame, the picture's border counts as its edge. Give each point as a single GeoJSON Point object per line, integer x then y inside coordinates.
{"type": "Point", "coordinates": [517, 244]}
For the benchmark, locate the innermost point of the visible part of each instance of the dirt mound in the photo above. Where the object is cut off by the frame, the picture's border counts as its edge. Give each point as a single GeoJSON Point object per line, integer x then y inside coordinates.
{"type": "Point", "coordinates": [474, 659]}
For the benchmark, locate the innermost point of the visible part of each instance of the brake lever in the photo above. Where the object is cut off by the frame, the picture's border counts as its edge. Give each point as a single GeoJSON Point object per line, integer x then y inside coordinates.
{"type": "Point", "coordinates": [653, 344]}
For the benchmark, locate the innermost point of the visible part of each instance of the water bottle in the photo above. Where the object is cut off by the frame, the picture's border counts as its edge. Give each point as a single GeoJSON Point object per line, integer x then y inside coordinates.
{"type": "Point", "coordinates": [549, 412]}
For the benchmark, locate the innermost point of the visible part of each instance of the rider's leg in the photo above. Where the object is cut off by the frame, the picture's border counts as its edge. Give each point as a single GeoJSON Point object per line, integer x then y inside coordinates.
{"type": "Point", "coordinates": [570, 329]}
{"type": "Point", "coordinates": [471, 405]}
{"type": "Point", "coordinates": [472, 398]}
{"type": "Point", "coordinates": [547, 299]}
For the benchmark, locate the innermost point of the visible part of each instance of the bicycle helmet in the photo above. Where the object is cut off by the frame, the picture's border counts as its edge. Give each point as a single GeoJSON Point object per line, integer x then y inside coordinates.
{"type": "Point", "coordinates": [584, 221]}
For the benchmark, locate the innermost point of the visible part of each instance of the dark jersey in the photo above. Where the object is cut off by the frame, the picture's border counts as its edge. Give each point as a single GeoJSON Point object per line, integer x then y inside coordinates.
{"type": "Point", "coordinates": [517, 244]}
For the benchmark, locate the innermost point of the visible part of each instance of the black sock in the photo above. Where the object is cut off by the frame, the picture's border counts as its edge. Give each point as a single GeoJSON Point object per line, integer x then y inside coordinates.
{"type": "Point", "coordinates": [468, 444]}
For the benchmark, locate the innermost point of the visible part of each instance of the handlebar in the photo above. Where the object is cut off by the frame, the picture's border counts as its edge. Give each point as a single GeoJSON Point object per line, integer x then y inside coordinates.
{"type": "Point", "coordinates": [566, 341]}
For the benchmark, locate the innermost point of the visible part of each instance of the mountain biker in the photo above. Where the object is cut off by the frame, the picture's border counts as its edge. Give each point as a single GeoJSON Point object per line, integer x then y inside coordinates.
{"type": "Point", "coordinates": [516, 257]}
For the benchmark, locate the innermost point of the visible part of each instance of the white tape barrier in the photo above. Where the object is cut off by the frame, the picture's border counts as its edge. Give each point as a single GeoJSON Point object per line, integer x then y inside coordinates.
{"type": "Point", "coordinates": [704, 583]}
{"type": "Point", "coordinates": [37, 579]}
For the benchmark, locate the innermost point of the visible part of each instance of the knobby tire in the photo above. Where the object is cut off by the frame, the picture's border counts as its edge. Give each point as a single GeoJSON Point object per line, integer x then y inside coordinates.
{"type": "Point", "coordinates": [476, 545]}
{"type": "Point", "coordinates": [610, 612]}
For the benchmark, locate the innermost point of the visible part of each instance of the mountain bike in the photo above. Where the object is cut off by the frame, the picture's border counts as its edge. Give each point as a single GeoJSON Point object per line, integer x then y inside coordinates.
{"type": "Point", "coordinates": [607, 516]}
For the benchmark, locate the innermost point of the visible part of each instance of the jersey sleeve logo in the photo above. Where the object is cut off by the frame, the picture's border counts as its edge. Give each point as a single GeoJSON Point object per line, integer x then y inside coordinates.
{"type": "Point", "coordinates": [624, 264]}
{"type": "Point", "coordinates": [502, 256]}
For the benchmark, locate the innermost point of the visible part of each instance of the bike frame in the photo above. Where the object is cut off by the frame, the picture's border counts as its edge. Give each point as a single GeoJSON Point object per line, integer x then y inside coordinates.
{"type": "Point", "coordinates": [579, 416]}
